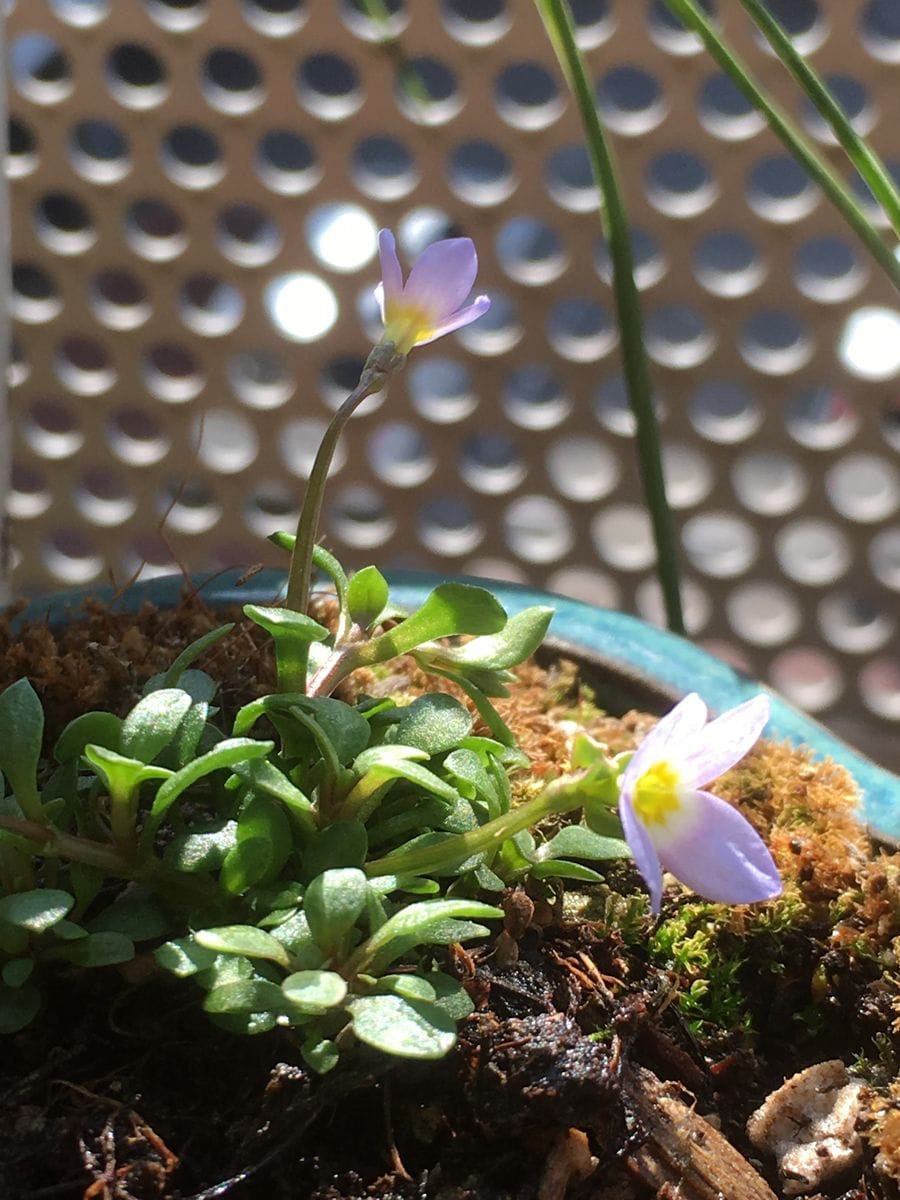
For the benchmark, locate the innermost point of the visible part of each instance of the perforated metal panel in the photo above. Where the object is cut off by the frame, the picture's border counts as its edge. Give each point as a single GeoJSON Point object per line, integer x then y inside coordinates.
{"type": "Point", "coordinates": [196, 188]}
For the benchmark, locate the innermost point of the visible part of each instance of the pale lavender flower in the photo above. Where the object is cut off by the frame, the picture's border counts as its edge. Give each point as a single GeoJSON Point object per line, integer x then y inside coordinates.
{"type": "Point", "coordinates": [672, 824]}
{"type": "Point", "coordinates": [432, 301]}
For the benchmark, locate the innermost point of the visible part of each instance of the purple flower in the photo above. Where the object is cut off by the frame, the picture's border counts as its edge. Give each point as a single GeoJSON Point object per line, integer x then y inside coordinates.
{"type": "Point", "coordinates": [432, 301]}
{"type": "Point", "coordinates": [671, 823]}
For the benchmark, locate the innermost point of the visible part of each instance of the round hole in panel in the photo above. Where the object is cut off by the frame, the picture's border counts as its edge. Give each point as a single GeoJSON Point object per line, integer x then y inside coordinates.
{"type": "Point", "coordinates": [828, 269]}
{"type": "Point", "coordinates": [808, 677]}
{"type": "Point", "coordinates": [630, 100]}
{"type": "Point", "coordinates": [527, 97]}
{"type": "Point", "coordinates": [688, 475]}
{"type": "Point", "coordinates": [148, 557]}
{"type": "Point", "coordinates": [613, 407]}
{"type": "Point", "coordinates": [864, 487]}
{"type": "Point", "coordinates": [780, 190]}
{"type": "Point", "coordinates": [530, 251]}
{"type": "Point", "coordinates": [39, 68]}
{"type": "Point", "coordinates": [724, 411]}
{"type": "Point", "coordinates": [594, 22]}
{"type": "Point", "coordinates": [286, 163]}
{"type": "Point", "coordinates": [29, 496]}
{"type": "Point", "coordinates": [496, 331]}
{"type": "Point", "coordinates": [260, 379]}
{"type": "Point", "coordinates": [677, 336]}
{"type": "Point", "coordinates": [679, 183]}
{"type": "Point", "coordinates": [821, 418]}
{"type": "Point", "coordinates": [64, 224]}
{"type": "Point", "coordinates": [275, 18]}
{"type": "Point", "coordinates": [192, 157]}
{"type": "Point", "coordinates": [670, 33]}
{"type": "Point", "coordinates": [359, 517]}
{"type": "Point", "coordinates": [570, 181]}
{"type": "Point", "coordinates": [155, 230]}
{"type": "Point", "coordinates": [869, 345]}
{"type": "Point", "coordinates": [727, 262]}
{"type": "Point", "coordinates": [83, 366]}
{"type": "Point", "coordinates": [227, 441]}
{"type": "Point", "coordinates": [247, 236]}
{"type": "Point", "coordinates": [534, 398]}
{"type": "Point", "coordinates": [884, 557]}
{"type": "Point", "coordinates": [441, 390]}
{"type": "Point", "coordinates": [72, 557]}
{"type": "Point", "coordinates": [863, 194]}
{"type": "Point", "coordinates": [374, 23]}
{"type": "Point", "coordinates": [768, 482]}
{"type": "Point", "coordinates": [623, 538]}
{"type": "Point", "coordinates": [189, 507]}
{"type": "Point", "coordinates": [102, 498]}
{"type": "Point", "coordinates": [301, 306]}
{"type": "Point", "coordinates": [802, 21]}
{"type": "Point", "coordinates": [586, 584]}
{"type": "Point", "coordinates": [118, 299]}
{"type": "Point", "coordinates": [99, 151]}
{"type": "Point", "coordinates": [763, 613]}
{"type": "Point", "coordinates": [812, 551]}
{"type": "Point", "coordinates": [18, 369]}
{"type": "Point", "coordinates": [172, 373]}
{"type": "Point", "coordinates": [720, 544]}
{"type": "Point", "coordinates": [328, 87]}
{"type": "Point", "coordinates": [537, 529]}
{"type": "Point", "coordinates": [427, 91]}
{"type": "Point", "coordinates": [475, 22]}
{"type": "Point", "coordinates": [210, 306]}
{"type": "Point", "coordinates": [80, 13]}
{"type": "Point", "coordinates": [35, 297]}
{"type": "Point", "coordinates": [22, 150]}
{"type": "Point", "coordinates": [298, 444]}
{"type": "Point", "coordinates": [854, 622]}
{"type": "Point", "coordinates": [491, 463]}
{"type": "Point", "coordinates": [480, 173]}
{"type": "Point", "coordinates": [880, 30]}
{"type": "Point", "coordinates": [879, 686]}
{"type": "Point", "coordinates": [649, 264]}
{"type": "Point", "coordinates": [420, 227]}
{"type": "Point", "coordinates": [852, 98]}
{"type": "Point", "coordinates": [582, 468]}
{"type": "Point", "coordinates": [52, 430]}
{"type": "Point", "coordinates": [890, 423]}
{"type": "Point", "coordinates": [343, 237]}
{"type": "Point", "coordinates": [136, 438]}
{"type": "Point", "coordinates": [725, 111]}
{"type": "Point", "coordinates": [695, 604]}
{"type": "Point", "coordinates": [581, 330]}
{"type": "Point", "coordinates": [337, 380]}
{"type": "Point", "coordinates": [399, 454]}
{"type": "Point", "coordinates": [177, 16]}
{"type": "Point", "coordinates": [136, 76]}
{"type": "Point", "coordinates": [231, 81]}
{"type": "Point", "coordinates": [775, 342]}
{"type": "Point", "coordinates": [270, 507]}
{"type": "Point", "coordinates": [448, 526]}
{"type": "Point", "coordinates": [383, 168]}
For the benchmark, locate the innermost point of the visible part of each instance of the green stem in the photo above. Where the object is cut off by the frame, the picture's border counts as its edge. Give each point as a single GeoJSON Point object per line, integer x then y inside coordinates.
{"type": "Point", "coordinates": [863, 157]}
{"type": "Point", "coordinates": [558, 21]}
{"type": "Point", "coordinates": [837, 192]}
{"type": "Point", "coordinates": [379, 365]}
{"type": "Point", "coordinates": [54, 843]}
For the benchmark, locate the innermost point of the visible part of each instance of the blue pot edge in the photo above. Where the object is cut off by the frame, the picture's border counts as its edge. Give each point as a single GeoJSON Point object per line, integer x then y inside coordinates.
{"type": "Point", "coordinates": [623, 643]}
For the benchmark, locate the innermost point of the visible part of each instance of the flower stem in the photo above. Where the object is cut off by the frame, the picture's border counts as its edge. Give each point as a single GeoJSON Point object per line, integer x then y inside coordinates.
{"type": "Point", "coordinates": [557, 20]}
{"type": "Point", "coordinates": [380, 363]}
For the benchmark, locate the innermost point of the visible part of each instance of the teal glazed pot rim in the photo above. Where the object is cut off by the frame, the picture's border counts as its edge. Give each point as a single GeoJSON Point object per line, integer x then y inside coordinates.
{"type": "Point", "coordinates": [652, 667]}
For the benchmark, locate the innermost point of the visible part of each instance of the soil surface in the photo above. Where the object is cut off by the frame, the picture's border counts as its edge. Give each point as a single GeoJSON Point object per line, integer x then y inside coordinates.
{"type": "Point", "coordinates": [586, 1036]}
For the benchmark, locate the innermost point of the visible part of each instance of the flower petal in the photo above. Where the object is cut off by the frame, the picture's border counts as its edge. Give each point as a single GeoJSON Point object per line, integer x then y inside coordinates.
{"type": "Point", "coordinates": [463, 316]}
{"type": "Point", "coordinates": [391, 275]}
{"type": "Point", "coordinates": [645, 857]}
{"type": "Point", "coordinates": [675, 728]}
{"type": "Point", "coordinates": [720, 856]}
{"type": "Point", "coordinates": [442, 277]}
{"type": "Point", "coordinates": [724, 741]}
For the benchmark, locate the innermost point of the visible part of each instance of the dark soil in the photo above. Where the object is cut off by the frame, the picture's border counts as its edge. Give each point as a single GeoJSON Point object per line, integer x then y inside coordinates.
{"type": "Point", "coordinates": [125, 1091]}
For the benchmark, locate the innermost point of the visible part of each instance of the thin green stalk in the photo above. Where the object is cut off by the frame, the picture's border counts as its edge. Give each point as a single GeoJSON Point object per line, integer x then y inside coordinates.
{"type": "Point", "coordinates": [799, 146]}
{"type": "Point", "coordinates": [557, 20]}
{"type": "Point", "coordinates": [863, 157]}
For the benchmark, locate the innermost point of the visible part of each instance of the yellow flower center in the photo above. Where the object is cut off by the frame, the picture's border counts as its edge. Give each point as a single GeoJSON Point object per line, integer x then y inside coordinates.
{"type": "Point", "coordinates": [406, 325]}
{"type": "Point", "coordinates": [656, 794]}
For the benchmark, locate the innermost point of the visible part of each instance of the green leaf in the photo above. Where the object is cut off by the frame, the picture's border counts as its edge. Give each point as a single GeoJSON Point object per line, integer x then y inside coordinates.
{"type": "Point", "coordinates": [183, 957]}
{"type": "Point", "coordinates": [18, 1007]}
{"type": "Point", "coordinates": [192, 652]}
{"type": "Point", "coordinates": [245, 940]}
{"type": "Point", "coordinates": [22, 723]}
{"type": "Point", "coordinates": [37, 910]}
{"type": "Point", "coordinates": [343, 725]}
{"type": "Point", "coordinates": [403, 1028]}
{"type": "Point", "coordinates": [100, 728]}
{"type": "Point", "coordinates": [202, 850]}
{"type": "Point", "coordinates": [104, 949]}
{"type": "Point", "coordinates": [264, 844]}
{"type": "Point", "coordinates": [295, 936]}
{"type": "Point", "coordinates": [451, 996]}
{"type": "Point", "coordinates": [153, 723]}
{"type": "Point", "coordinates": [576, 841]}
{"type": "Point", "coordinates": [333, 903]}
{"type": "Point", "coordinates": [224, 755]}
{"type": "Point", "coordinates": [314, 991]}
{"type": "Point", "coordinates": [17, 972]}
{"type": "Point", "coordinates": [342, 844]}
{"type": "Point", "coordinates": [121, 775]}
{"type": "Point", "coordinates": [428, 921]}
{"type": "Point", "coordinates": [246, 864]}
{"type": "Point", "coordinates": [555, 869]}
{"type": "Point", "coordinates": [434, 723]}
{"type": "Point", "coordinates": [140, 918]}
{"type": "Point", "coordinates": [367, 597]}
{"type": "Point", "coordinates": [518, 640]}
{"type": "Point", "coordinates": [451, 609]}
{"type": "Point", "coordinates": [245, 995]}
{"type": "Point", "coordinates": [263, 776]}
{"type": "Point", "coordinates": [320, 1054]}
{"type": "Point", "coordinates": [285, 624]}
